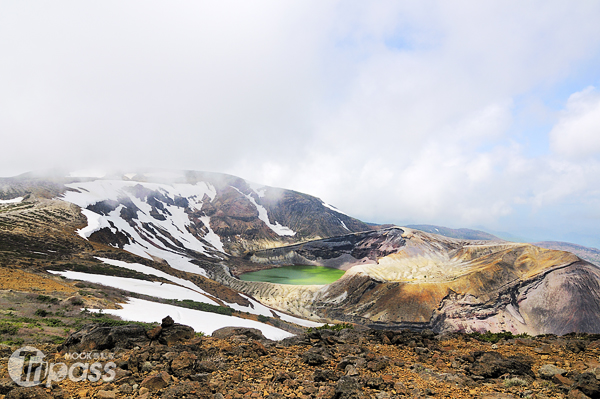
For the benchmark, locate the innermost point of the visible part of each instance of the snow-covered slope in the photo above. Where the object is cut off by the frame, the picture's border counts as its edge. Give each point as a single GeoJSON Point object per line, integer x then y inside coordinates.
{"type": "Point", "coordinates": [146, 311]}
{"type": "Point", "coordinates": [152, 219]}
{"type": "Point", "coordinates": [11, 201]}
{"type": "Point", "coordinates": [185, 216]}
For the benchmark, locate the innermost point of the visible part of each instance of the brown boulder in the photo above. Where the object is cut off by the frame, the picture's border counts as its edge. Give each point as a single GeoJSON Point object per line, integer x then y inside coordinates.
{"type": "Point", "coordinates": [189, 389]}
{"type": "Point", "coordinates": [167, 322]}
{"type": "Point", "coordinates": [493, 365]}
{"type": "Point", "coordinates": [227, 332]}
{"type": "Point", "coordinates": [175, 334]}
{"type": "Point", "coordinates": [156, 381]}
{"type": "Point", "coordinates": [182, 366]}
{"type": "Point", "coordinates": [100, 337]}
{"type": "Point", "coordinates": [154, 333]}
{"type": "Point", "coordinates": [28, 393]}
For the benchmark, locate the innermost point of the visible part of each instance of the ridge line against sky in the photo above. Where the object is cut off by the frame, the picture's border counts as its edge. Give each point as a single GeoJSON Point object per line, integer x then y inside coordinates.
{"type": "Point", "coordinates": [462, 114]}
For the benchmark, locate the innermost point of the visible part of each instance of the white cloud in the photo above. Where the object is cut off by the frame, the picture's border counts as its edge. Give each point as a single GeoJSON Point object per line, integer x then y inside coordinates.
{"type": "Point", "coordinates": [577, 132]}
{"type": "Point", "coordinates": [391, 110]}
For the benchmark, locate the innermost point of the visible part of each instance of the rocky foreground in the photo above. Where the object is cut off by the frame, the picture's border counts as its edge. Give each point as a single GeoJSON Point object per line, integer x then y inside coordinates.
{"type": "Point", "coordinates": [171, 361]}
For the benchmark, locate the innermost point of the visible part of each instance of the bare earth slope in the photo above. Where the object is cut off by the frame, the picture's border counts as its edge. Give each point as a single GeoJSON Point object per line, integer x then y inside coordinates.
{"type": "Point", "coordinates": [591, 255]}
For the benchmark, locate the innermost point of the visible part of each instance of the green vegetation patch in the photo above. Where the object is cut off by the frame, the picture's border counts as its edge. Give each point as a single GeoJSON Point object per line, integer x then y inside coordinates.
{"type": "Point", "coordinates": [107, 321]}
{"type": "Point", "coordinates": [42, 313]}
{"type": "Point", "coordinates": [205, 307]}
{"type": "Point", "coordinates": [48, 299]}
{"type": "Point", "coordinates": [334, 327]}
{"type": "Point", "coordinates": [9, 328]}
{"type": "Point", "coordinates": [496, 337]}
{"type": "Point", "coordinates": [102, 269]}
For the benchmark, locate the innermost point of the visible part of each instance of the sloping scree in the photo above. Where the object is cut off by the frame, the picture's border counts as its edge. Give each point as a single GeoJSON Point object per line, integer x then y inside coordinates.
{"type": "Point", "coordinates": [588, 384]}
{"type": "Point", "coordinates": [494, 365]}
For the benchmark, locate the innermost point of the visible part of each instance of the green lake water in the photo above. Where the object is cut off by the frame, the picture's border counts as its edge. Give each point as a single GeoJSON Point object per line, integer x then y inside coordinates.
{"type": "Point", "coordinates": [295, 275]}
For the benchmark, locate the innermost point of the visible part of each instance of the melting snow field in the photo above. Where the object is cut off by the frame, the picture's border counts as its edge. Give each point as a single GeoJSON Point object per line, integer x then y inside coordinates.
{"type": "Point", "coordinates": [256, 307]}
{"type": "Point", "coordinates": [151, 271]}
{"type": "Point", "coordinates": [149, 312]}
{"type": "Point", "coordinates": [151, 288]}
{"type": "Point", "coordinates": [187, 290]}
{"type": "Point", "coordinates": [333, 208]}
{"type": "Point", "coordinates": [147, 243]}
{"type": "Point", "coordinates": [166, 239]}
{"type": "Point", "coordinates": [12, 201]}
{"type": "Point", "coordinates": [264, 216]}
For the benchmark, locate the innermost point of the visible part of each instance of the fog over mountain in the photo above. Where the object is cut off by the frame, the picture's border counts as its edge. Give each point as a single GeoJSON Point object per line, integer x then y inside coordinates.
{"type": "Point", "coordinates": [468, 115]}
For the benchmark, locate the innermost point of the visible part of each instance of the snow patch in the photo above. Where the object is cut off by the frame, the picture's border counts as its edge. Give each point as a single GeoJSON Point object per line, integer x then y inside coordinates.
{"type": "Point", "coordinates": [264, 216]}
{"type": "Point", "coordinates": [296, 320]}
{"type": "Point", "coordinates": [339, 298]}
{"type": "Point", "coordinates": [151, 288]}
{"type": "Point", "coordinates": [168, 239]}
{"type": "Point", "coordinates": [212, 237]}
{"type": "Point", "coordinates": [258, 308]}
{"type": "Point", "coordinates": [333, 208]}
{"type": "Point", "coordinates": [95, 222]}
{"type": "Point", "coordinates": [259, 189]}
{"type": "Point", "coordinates": [12, 201]}
{"type": "Point", "coordinates": [151, 271]}
{"type": "Point", "coordinates": [149, 312]}
{"type": "Point", "coordinates": [344, 224]}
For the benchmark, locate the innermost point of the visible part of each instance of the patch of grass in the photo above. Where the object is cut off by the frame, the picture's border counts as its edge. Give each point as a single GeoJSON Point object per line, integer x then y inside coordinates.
{"type": "Point", "coordinates": [14, 341]}
{"type": "Point", "coordinates": [54, 322]}
{"type": "Point", "coordinates": [47, 299]}
{"type": "Point", "coordinates": [77, 302]}
{"type": "Point", "coordinates": [8, 328]}
{"type": "Point", "coordinates": [205, 307]}
{"type": "Point", "coordinates": [493, 338]}
{"type": "Point", "coordinates": [23, 319]}
{"type": "Point", "coordinates": [334, 327]}
{"type": "Point", "coordinates": [55, 339]}
{"type": "Point", "coordinates": [42, 313]}
{"type": "Point", "coordinates": [102, 269]}
{"type": "Point", "coordinates": [99, 318]}
{"type": "Point", "coordinates": [515, 382]}
{"type": "Point", "coordinates": [263, 319]}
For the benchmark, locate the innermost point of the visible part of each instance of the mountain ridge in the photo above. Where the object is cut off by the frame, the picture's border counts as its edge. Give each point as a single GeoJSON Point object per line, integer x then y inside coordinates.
{"type": "Point", "coordinates": [208, 228]}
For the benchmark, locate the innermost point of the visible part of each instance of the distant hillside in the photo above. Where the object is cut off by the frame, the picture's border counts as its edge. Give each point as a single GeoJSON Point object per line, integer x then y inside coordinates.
{"type": "Point", "coordinates": [463, 234]}
{"type": "Point", "coordinates": [591, 255]}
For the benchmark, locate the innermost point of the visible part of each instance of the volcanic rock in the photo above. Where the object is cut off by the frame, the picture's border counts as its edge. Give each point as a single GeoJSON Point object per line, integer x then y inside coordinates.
{"type": "Point", "coordinates": [98, 337]}
{"type": "Point", "coordinates": [28, 393]}
{"type": "Point", "coordinates": [156, 381]}
{"type": "Point", "coordinates": [493, 365]}
{"type": "Point", "coordinates": [175, 333]}
{"type": "Point", "coordinates": [226, 332]}
{"type": "Point", "coordinates": [167, 322]}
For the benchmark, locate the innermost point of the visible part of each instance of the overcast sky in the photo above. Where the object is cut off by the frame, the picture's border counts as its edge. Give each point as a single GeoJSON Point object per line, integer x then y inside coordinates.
{"type": "Point", "coordinates": [481, 114]}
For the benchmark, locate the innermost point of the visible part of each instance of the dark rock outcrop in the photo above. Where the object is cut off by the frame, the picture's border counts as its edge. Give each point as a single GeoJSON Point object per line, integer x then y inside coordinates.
{"type": "Point", "coordinates": [494, 365]}
{"type": "Point", "coordinates": [100, 337]}
{"type": "Point", "coordinates": [227, 332]}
